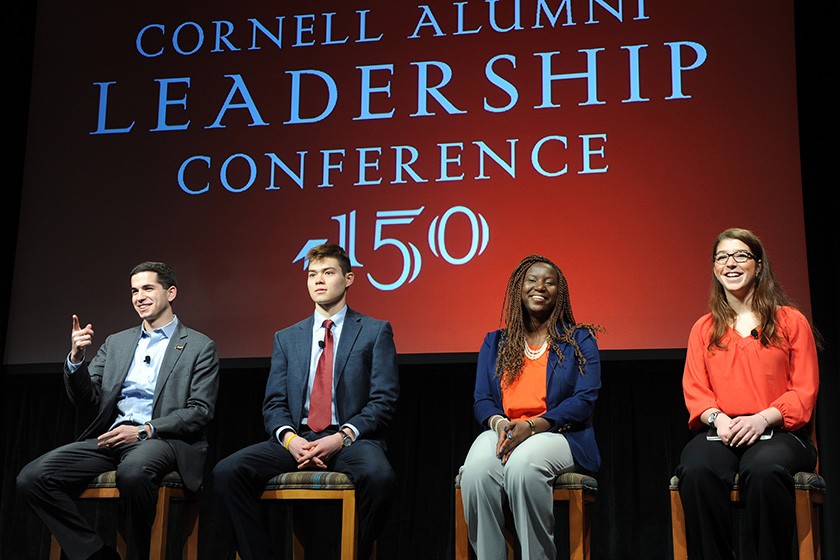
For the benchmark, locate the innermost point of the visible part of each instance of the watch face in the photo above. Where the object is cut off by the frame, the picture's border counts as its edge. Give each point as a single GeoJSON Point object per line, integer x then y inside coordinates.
{"type": "Point", "coordinates": [345, 440]}
{"type": "Point", "coordinates": [142, 434]}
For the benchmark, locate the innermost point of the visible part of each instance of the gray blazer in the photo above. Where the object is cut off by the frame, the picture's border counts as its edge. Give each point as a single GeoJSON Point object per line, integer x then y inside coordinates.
{"type": "Point", "coordinates": [185, 393]}
{"type": "Point", "coordinates": [366, 376]}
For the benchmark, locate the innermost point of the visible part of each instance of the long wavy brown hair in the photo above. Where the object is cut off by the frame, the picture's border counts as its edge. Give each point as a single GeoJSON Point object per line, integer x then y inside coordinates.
{"type": "Point", "coordinates": [561, 324]}
{"type": "Point", "coordinates": [768, 295]}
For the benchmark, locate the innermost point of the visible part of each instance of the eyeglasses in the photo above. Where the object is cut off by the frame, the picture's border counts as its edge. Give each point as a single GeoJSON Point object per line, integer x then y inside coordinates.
{"type": "Point", "coordinates": [738, 256]}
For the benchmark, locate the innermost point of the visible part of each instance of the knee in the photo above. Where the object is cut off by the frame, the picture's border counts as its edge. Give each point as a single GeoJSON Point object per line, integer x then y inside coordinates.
{"type": "Point", "coordinates": [702, 480]}
{"type": "Point", "coordinates": [519, 474]}
{"type": "Point", "coordinates": [225, 470]}
{"type": "Point", "coordinates": [479, 466]}
{"type": "Point", "coordinates": [134, 479]}
{"type": "Point", "coordinates": [474, 479]}
{"type": "Point", "coordinates": [759, 474]}
{"type": "Point", "coordinates": [26, 481]}
{"type": "Point", "coordinates": [226, 474]}
{"type": "Point", "coordinates": [380, 480]}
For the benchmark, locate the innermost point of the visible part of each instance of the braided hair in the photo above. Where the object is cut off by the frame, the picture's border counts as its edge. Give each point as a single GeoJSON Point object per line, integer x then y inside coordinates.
{"type": "Point", "coordinates": [561, 323]}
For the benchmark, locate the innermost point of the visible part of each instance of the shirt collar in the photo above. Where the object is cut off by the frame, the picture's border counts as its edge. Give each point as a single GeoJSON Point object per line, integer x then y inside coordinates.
{"type": "Point", "coordinates": [338, 318]}
{"type": "Point", "coordinates": [166, 330]}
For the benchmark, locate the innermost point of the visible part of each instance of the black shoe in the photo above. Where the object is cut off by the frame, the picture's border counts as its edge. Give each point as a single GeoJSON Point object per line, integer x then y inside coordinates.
{"type": "Point", "coordinates": [105, 553]}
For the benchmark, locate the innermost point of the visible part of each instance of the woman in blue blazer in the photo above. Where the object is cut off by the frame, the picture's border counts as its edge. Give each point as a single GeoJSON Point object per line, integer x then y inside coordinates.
{"type": "Point", "coordinates": [535, 390]}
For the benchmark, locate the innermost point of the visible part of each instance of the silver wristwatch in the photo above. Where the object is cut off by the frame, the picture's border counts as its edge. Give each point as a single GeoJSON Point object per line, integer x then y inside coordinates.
{"type": "Point", "coordinates": [712, 418]}
{"type": "Point", "coordinates": [345, 439]}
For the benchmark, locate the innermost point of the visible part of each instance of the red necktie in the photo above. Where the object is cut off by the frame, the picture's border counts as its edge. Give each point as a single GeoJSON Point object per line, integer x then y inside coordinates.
{"type": "Point", "coordinates": [320, 401]}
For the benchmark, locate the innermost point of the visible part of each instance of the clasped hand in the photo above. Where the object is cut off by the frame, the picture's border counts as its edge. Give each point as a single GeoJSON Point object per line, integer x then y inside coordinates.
{"type": "Point", "coordinates": [742, 430]}
{"type": "Point", "coordinates": [510, 436]}
{"type": "Point", "coordinates": [309, 454]}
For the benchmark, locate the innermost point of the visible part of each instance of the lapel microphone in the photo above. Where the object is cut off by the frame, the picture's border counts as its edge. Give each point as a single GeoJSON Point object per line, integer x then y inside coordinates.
{"type": "Point", "coordinates": [754, 334]}
{"type": "Point", "coordinates": [321, 344]}
{"type": "Point", "coordinates": [147, 359]}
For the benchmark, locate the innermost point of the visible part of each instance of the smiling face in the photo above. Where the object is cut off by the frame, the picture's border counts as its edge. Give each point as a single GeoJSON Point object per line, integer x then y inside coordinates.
{"type": "Point", "coordinates": [539, 291]}
{"type": "Point", "coordinates": [151, 300]}
{"type": "Point", "coordinates": [738, 279]}
{"type": "Point", "coordinates": [328, 285]}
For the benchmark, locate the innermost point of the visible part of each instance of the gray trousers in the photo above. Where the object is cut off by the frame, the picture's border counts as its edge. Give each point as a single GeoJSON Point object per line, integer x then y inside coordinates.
{"type": "Point", "coordinates": [50, 483]}
{"type": "Point", "coordinates": [525, 481]}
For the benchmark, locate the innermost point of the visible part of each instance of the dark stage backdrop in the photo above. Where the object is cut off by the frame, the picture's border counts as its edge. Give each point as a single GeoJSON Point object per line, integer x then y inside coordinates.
{"type": "Point", "coordinates": [640, 419]}
{"type": "Point", "coordinates": [640, 422]}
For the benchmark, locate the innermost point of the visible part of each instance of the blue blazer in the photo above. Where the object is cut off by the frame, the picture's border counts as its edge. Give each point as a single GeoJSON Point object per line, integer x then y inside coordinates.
{"type": "Point", "coordinates": [366, 381]}
{"type": "Point", "coordinates": [570, 395]}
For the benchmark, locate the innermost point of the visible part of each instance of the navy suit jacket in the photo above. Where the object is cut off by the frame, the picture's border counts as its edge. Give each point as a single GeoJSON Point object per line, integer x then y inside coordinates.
{"type": "Point", "coordinates": [184, 400]}
{"type": "Point", "coordinates": [570, 394]}
{"type": "Point", "coordinates": [366, 379]}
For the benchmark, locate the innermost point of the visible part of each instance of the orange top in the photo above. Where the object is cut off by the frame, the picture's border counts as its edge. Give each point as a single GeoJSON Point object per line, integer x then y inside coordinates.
{"type": "Point", "coordinates": [747, 377]}
{"type": "Point", "coordinates": [525, 397]}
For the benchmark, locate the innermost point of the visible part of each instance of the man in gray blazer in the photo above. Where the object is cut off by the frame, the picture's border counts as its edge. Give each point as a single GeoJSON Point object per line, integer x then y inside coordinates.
{"type": "Point", "coordinates": [152, 390]}
{"type": "Point", "coordinates": [359, 399]}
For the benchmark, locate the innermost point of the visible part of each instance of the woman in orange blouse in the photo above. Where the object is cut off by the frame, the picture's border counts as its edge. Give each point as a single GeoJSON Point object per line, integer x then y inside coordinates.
{"type": "Point", "coordinates": [750, 384]}
{"type": "Point", "coordinates": [536, 385]}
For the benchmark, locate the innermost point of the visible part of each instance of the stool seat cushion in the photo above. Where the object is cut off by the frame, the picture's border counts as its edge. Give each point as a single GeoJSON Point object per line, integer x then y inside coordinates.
{"type": "Point", "coordinates": [801, 481]}
{"type": "Point", "coordinates": [108, 479]}
{"type": "Point", "coordinates": [310, 480]}
{"type": "Point", "coordinates": [566, 481]}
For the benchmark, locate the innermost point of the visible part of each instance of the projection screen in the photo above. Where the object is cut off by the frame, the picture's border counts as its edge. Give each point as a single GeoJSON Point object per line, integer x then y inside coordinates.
{"type": "Point", "coordinates": [438, 142]}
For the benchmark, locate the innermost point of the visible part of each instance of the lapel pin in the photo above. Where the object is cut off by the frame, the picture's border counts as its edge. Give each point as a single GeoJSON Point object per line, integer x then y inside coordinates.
{"type": "Point", "coordinates": [179, 347]}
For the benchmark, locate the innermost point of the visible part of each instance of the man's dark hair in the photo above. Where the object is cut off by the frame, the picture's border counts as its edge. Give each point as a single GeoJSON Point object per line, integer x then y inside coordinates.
{"type": "Point", "coordinates": [165, 275]}
{"type": "Point", "coordinates": [330, 250]}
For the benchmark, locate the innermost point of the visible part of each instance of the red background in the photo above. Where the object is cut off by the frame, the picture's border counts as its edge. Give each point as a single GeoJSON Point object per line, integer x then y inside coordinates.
{"type": "Point", "coordinates": [634, 242]}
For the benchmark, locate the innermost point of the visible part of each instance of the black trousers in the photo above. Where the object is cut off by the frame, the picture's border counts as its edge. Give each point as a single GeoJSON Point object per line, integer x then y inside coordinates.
{"type": "Point", "coordinates": [50, 484]}
{"type": "Point", "coordinates": [707, 473]}
{"type": "Point", "coordinates": [239, 479]}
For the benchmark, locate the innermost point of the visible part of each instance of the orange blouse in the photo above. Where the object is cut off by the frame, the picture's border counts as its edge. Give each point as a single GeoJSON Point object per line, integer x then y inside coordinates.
{"type": "Point", "coordinates": [525, 397]}
{"type": "Point", "coordinates": [748, 377]}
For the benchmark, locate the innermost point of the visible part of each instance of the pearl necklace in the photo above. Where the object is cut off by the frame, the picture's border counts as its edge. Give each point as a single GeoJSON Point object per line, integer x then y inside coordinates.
{"type": "Point", "coordinates": [535, 354]}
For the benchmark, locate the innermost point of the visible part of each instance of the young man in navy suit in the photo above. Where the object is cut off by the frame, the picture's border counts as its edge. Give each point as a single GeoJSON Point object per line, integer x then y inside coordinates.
{"type": "Point", "coordinates": [357, 402]}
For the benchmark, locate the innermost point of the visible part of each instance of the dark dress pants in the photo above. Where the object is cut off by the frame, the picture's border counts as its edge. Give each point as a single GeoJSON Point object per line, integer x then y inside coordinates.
{"type": "Point", "coordinates": [50, 484]}
{"type": "Point", "coordinates": [239, 479]}
{"type": "Point", "coordinates": [707, 473]}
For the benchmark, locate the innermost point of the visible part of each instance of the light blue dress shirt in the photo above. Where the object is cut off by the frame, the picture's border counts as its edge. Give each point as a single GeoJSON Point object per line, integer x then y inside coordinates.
{"type": "Point", "coordinates": [138, 388]}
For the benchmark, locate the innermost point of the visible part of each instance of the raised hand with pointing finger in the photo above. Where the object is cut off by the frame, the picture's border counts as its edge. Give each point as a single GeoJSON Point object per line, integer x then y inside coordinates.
{"type": "Point", "coordinates": [80, 339]}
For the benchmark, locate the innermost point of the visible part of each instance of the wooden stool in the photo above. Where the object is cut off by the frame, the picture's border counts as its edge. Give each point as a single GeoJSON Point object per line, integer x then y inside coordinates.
{"type": "Point", "coordinates": [810, 493]}
{"type": "Point", "coordinates": [104, 487]}
{"type": "Point", "coordinates": [319, 485]}
{"type": "Point", "coordinates": [579, 490]}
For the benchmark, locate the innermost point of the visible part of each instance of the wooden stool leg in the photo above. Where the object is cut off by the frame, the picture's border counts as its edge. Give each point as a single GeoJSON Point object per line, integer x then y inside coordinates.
{"type": "Point", "coordinates": [349, 526]}
{"type": "Point", "coordinates": [190, 550]}
{"type": "Point", "coordinates": [297, 544]}
{"type": "Point", "coordinates": [578, 527]}
{"type": "Point", "coordinates": [122, 546]}
{"type": "Point", "coordinates": [55, 550]}
{"type": "Point", "coordinates": [804, 525]}
{"type": "Point", "coordinates": [678, 527]}
{"type": "Point", "coordinates": [160, 527]}
{"type": "Point", "coordinates": [462, 545]}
